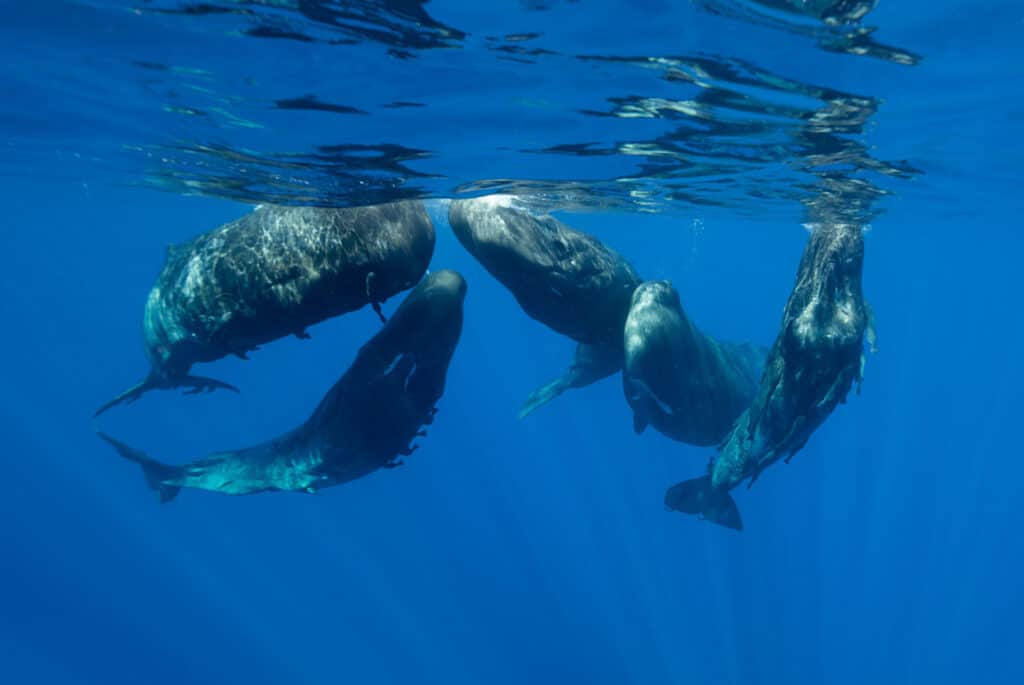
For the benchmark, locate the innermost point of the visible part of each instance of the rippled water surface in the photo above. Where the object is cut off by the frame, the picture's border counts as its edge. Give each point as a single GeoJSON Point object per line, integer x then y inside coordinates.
{"type": "Point", "coordinates": [756, 106]}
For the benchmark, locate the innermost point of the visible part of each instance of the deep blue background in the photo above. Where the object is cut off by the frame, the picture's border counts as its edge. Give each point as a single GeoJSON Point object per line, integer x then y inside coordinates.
{"type": "Point", "coordinates": [505, 551]}
{"type": "Point", "coordinates": [534, 551]}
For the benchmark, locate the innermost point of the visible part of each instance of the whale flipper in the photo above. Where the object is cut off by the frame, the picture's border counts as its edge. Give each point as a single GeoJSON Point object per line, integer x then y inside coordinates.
{"type": "Point", "coordinates": [697, 496]}
{"type": "Point", "coordinates": [156, 473]}
{"type": "Point", "coordinates": [544, 394]}
{"type": "Point", "coordinates": [193, 385]}
{"type": "Point", "coordinates": [591, 364]}
{"type": "Point", "coordinates": [197, 384]}
{"type": "Point", "coordinates": [128, 396]}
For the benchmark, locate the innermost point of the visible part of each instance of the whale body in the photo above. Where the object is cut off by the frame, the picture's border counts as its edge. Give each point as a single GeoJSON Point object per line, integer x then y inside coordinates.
{"type": "Point", "coordinates": [814, 362]}
{"type": "Point", "coordinates": [365, 422]}
{"type": "Point", "coordinates": [273, 273]}
{"type": "Point", "coordinates": [687, 385]}
{"type": "Point", "coordinates": [564, 278]}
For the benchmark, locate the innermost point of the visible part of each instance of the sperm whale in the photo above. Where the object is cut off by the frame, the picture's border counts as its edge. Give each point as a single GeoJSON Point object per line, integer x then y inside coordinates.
{"type": "Point", "coordinates": [274, 272]}
{"type": "Point", "coordinates": [365, 422]}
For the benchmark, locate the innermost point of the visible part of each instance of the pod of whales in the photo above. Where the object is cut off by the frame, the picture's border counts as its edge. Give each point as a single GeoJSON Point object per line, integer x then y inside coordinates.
{"type": "Point", "coordinates": [561, 277]}
{"type": "Point", "coordinates": [687, 385]}
{"type": "Point", "coordinates": [816, 358]}
{"type": "Point", "coordinates": [273, 273]}
{"type": "Point", "coordinates": [364, 423]}
{"type": "Point", "coordinates": [278, 270]}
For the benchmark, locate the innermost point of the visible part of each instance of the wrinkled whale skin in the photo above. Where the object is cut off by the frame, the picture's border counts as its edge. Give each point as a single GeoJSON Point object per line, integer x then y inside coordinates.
{"type": "Point", "coordinates": [277, 271]}
{"type": "Point", "coordinates": [272, 273]}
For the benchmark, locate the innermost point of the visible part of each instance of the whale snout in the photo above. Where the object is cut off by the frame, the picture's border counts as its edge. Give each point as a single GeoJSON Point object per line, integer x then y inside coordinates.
{"type": "Point", "coordinates": [656, 293]}
{"type": "Point", "coordinates": [447, 282]}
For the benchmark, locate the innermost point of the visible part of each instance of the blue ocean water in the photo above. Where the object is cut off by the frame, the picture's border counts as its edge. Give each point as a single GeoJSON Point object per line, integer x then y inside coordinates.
{"type": "Point", "coordinates": [696, 138]}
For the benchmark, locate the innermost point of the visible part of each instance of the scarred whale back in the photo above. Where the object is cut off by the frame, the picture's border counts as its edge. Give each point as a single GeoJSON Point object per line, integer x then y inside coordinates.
{"type": "Point", "coordinates": [564, 278]}
{"type": "Point", "coordinates": [276, 271]}
{"type": "Point", "coordinates": [815, 361]}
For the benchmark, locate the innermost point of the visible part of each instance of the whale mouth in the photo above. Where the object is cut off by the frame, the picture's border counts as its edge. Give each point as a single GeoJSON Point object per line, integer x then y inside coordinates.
{"type": "Point", "coordinates": [645, 390]}
{"type": "Point", "coordinates": [393, 365]}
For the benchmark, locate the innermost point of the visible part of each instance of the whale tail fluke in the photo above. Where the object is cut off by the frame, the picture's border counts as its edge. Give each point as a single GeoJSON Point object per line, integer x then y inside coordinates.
{"type": "Point", "coordinates": [192, 385]}
{"type": "Point", "coordinates": [157, 474]}
{"type": "Point", "coordinates": [544, 394]}
{"type": "Point", "coordinates": [698, 496]}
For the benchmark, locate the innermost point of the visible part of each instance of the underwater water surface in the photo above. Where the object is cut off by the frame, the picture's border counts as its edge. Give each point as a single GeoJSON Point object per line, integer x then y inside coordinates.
{"type": "Point", "coordinates": [702, 140]}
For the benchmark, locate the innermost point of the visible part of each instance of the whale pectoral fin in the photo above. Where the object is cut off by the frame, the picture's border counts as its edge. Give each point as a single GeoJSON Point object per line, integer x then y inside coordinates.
{"type": "Point", "coordinates": [544, 394]}
{"type": "Point", "coordinates": [131, 394]}
{"type": "Point", "coordinates": [155, 472]}
{"type": "Point", "coordinates": [375, 303]}
{"type": "Point", "coordinates": [380, 312]}
{"type": "Point", "coordinates": [192, 385]}
{"type": "Point", "coordinates": [197, 384]}
{"type": "Point", "coordinates": [870, 334]}
{"type": "Point", "coordinates": [698, 496]}
{"type": "Point", "coordinates": [591, 363]}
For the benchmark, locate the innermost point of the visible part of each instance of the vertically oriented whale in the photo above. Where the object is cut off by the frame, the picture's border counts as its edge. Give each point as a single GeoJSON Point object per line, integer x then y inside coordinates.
{"type": "Point", "coordinates": [272, 273]}
{"type": "Point", "coordinates": [364, 423]}
{"type": "Point", "coordinates": [816, 358]}
{"type": "Point", "coordinates": [561, 277]}
{"type": "Point", "coordinates": [686, 384]}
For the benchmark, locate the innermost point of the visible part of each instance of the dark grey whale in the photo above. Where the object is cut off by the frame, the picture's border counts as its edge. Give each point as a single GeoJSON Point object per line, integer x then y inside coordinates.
{"type": "Point", "coordinates": [561, 277]}
{"type": "Point", "coordinates": [687, 385]}
{"type": "Point", "coordinates": [273, 273]}
{"type": "Point", "coordinates": [817, 357]}
{"type": "Point", "coordinates": [364, 423]}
